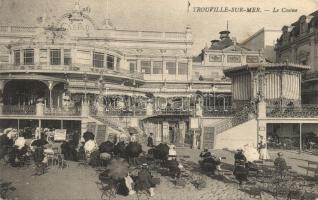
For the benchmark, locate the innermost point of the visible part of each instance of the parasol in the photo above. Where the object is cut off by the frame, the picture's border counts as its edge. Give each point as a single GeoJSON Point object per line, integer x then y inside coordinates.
{"type": "Point", "coordinates": [161, 151]}
{"type": "Point", "coordinates": [133, 149]}
{"type": "Point", "coordinates": [106, 147]}
{"type": "Point", "coordinates": [90, 146]}
{"type": "Point", "coordinates": [132, 130]}
{"type": "Point", "coordinates": [88, 136]}
{"type": "Point", "coordinates": [118, 169]}
{"type": "Point", "coordinates": [39, 143]}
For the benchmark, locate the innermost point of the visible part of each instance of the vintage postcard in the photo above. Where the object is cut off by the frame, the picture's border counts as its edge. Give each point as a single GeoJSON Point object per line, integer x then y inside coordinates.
{"type": "Point", "coordinates": [158, 99]}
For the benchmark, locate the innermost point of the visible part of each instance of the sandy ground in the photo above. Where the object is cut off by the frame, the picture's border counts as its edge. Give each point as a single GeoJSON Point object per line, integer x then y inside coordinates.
{"type": "Point", "coordinates": [78, 182]}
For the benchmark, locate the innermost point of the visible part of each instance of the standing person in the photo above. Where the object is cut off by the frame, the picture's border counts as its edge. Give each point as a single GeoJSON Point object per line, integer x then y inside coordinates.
{"type": "Point", "coordinates": [280, 164]}
{"type": "Point", "coordinates": [263, 153]}
{"type": "Point", "coordinates": [150, 140]}
{"type": "Point", "coordinates": [240, 171]}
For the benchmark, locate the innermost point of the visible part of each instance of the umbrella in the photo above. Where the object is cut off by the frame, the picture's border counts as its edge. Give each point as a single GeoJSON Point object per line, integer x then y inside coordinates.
{"type": "Point", "coordinates": [118, 169]}
{"type": "Point", "coordinates": [132, 130]}
{"type": "Point", "coordinates": [133, 149]}
{"type": "Point", "coordinates": [88, 136]}
{"type": "Point", "coordinates": [106, 147]}
{"type": "Point", "coordinates": [39, 143]}
{"type": "Point", "coordinates": [161, 151]}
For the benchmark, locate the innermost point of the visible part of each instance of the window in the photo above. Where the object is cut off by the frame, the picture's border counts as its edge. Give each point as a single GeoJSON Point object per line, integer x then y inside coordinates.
{"type": "Point", "coordinates": [110, 62]}
{"type": "Point", "coordinates": [146, 67]}
{"type": "Point", "coordinates": [118, 64]}
{"type": "Point", "coordinates": [98, 60]}
{"type": "Point", "coordinates": [17, 57]}
{"type": "Point", "coordinates": [171, 67]}
{"type": "Point", "coordinates": [132, 66]}
{"type": "Point", "coordinates": [157, 67]}
{"type": "Point", "coordinates": [28, 56]}
{"type": "Point", "coordinates": [182, 68]}
{"type": "Point", "coordinates": [67, 57]}
{"type": "Point", "coordinates": [55, 56]}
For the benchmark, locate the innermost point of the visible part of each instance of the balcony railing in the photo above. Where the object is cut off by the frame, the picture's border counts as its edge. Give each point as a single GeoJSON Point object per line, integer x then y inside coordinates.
{"type": "Point", "coordinates": [62, 111]}
{"type": "Point", "coordinates": [218, 111]}
{"type": "Point", "coordinates": [70, 68]}
{"type": "Point", "coordinates": [18, 109]}
{"type": "Point", "coordinates": [303, 111]}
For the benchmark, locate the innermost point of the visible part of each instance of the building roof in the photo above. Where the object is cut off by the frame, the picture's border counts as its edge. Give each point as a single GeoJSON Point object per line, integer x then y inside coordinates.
{"type": "Point", "coordinates": [249, 67]}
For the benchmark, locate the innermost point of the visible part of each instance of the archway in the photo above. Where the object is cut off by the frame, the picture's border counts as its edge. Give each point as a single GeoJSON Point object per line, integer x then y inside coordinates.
{"type": "Point", "coordinates": [23, 92]}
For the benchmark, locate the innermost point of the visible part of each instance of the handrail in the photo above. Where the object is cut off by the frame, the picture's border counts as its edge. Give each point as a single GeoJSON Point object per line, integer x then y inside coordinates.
{"type": "Point", "coordinates": [58, 111]}
{"type": "Point", "coordinates": [18, 109]}
{"type": "Point", "coordinates": [238, 118]}
{"type": "Point", "coordinates": [70, 68]}
{"type": "Point", "coordinates": [302, 111]}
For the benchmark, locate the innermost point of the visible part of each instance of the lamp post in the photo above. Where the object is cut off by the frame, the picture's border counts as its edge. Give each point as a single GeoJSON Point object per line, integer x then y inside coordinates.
{"type": "Point", "coordinates": [85, 88]}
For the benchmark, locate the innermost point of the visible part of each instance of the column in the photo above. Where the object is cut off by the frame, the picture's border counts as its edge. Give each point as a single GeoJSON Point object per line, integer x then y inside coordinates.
{"type": "Point", "coordinates": [182, 127]}
{"type": "Point", "coordinates": [85, 109]}
{"type": "Point", "coordinates": [189, 69]}
{"type": "Point", "coordinates": [300, 138]}
{"type": "Point", "coordinates": [165, 132]}
{"type": "Point", "coordinates": [1, 95]}
{"type": "Point", "coordinates": [194, 139]}
{"type": "Point", "coordinates": [62, 56]}
{"type": "Point", "coordinates": [50, 86]}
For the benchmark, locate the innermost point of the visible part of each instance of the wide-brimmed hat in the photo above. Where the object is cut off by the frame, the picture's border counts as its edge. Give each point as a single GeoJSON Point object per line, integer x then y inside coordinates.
{"type": "Point", "coordinates": [279, 153]}
{"type": "Point", "coordinates": [239, 150]}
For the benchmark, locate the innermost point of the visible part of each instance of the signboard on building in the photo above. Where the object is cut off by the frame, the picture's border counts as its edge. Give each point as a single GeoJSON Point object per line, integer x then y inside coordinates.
{"type": "Point", "coordinates": [194, 123]}
{"type": "Point", "coordinates": [59, 134]}
{"type": "Point", "coordinates": [208, 137]}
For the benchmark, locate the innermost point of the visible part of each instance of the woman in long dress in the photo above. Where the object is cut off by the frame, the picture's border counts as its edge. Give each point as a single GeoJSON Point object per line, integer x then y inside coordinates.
{"type": "Point", "coordinates": [263, 153]}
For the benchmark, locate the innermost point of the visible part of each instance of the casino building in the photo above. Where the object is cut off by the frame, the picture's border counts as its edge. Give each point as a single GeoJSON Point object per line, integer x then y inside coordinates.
{"type": "Point", "coordinates": [73, 73]}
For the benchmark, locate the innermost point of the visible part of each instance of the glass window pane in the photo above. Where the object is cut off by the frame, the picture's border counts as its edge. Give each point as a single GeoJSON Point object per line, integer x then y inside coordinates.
{"type": "Point", "coordinates": [110, 62]}
{"type": "Point", "coordinates": [171, 67]}
{"type": "Point", "coordinates": [55, 56]}
{"type": "Point", "coordinates": [118, 64]}
{"type": "Point", "coordinates": [182, 68]}
{"type": "Point", "coordinates": [28, 56]}
{"type": "Point", "coordinates": [157, 67]}
{"type": "Point", "coordinates": [132, 66]}
{"type": "Point", "coordinates": [98, 60]}
{"type": "Point", "coordinates": [146, 67]}
{"type": "Point", "coordinates": [67, 57]}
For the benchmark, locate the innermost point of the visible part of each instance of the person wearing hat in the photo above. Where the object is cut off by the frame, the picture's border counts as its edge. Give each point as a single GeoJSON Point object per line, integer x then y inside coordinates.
{"type": "Point", "coordinates": [150, 140]}
{"type": "Point", "coordinates": [240, 171]}
{"type": "Point", "coordinates": [280, 164]}
{"type": "Point", "coordinates": [172, 155]}
{"type": "Point", "coordinates": [144, 180]}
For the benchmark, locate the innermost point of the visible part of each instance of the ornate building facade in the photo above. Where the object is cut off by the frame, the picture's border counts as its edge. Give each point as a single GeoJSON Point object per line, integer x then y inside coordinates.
{"type": "Point", "coordinates": [73, 73]}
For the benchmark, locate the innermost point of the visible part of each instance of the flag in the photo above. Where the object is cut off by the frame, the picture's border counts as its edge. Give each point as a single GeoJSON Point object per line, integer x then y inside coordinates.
{"type": "Point", "coordinates": [189, 6]}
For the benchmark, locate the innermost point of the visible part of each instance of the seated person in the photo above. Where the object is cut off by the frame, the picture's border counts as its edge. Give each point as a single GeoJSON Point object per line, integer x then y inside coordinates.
{"type": "Point", "coordinates": [144, 180]}
{"type": "Point", "coordinates": [211, 163]}
{"type": "Point", "coordinates": [240, 171]}
{"type": "Point", "coordinates": [205, 153]}
{"type": "Point", "coordinates": [172, 152]}
{"type": "Point", "coordinates": [239, 158]}
{"type": "Point", "coordinates": [174, 168]}
{"type": "Point", "coordinates": [280, 164]}
{"type": "Point", "coordinates": [125, 186]}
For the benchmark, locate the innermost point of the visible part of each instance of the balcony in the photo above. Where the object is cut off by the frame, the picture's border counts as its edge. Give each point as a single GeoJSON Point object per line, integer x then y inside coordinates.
{"type": "Point", "coordinates": [304, 111]}
{"type": "Point", "coordinates": [73, 68]}
{"type": "Point", "coordinates": [32, 110]}
{"type": "Point", "coordinates": [18, 110]}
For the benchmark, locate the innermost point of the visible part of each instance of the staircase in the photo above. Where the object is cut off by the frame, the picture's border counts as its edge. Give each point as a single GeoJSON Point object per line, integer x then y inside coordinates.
{"type": "Point", "coordinates": [238, 118]}
{"type": "Point", "coordinates": [110, 123]}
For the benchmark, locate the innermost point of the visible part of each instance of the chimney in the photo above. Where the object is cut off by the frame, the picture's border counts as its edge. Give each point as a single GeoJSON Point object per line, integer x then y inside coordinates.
{"type": "Point", "coordinates": [213, 42]}
{"type": "Point", "coordinates": [224, 35]}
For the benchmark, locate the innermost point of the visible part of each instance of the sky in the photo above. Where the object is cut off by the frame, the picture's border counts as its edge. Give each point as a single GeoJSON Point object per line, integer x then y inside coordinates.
{"type": "Point", "coordinates": [168, 15]}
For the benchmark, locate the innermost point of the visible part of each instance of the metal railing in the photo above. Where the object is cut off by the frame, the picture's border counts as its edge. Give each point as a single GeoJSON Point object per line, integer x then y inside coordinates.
{"type": "Point", "coordinates": [18, 109]}
{"type": "Point", "coordinates": [70, 68]}
{"type": "Point", "coordinates": [302, 111]}
{"type": "Point", "coordinates": [62, 111]}
{"type": "Point", "coordinates": [238, 118]}
{"type": "Point", "coordinates": [218, 111]}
